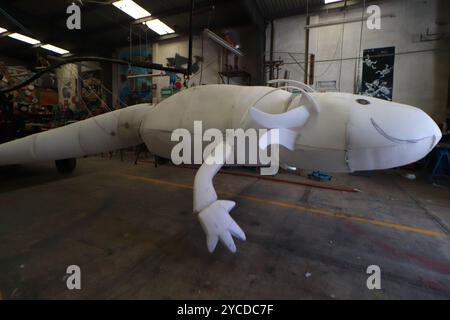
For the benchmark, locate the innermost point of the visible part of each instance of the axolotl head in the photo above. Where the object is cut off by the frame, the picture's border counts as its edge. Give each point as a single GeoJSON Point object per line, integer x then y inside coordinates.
{"type": "Point", "coordinates": [379, 134]}
{"type": "Point", "coordinates": [342, 132]}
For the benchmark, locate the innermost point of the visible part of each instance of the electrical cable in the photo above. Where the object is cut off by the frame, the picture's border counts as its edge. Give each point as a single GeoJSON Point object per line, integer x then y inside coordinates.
{"type": "Point", "coordinates": [206, 67]}
{"type": "Point", "coordinates": [202, 45]}
{"type": "Point", "coordinates": [268, 178]}
{"type": "Point", "coordinates": [331, 63]}
{"type": "Point", "coordinates": [360, 45]}
{"type": "Point", "coordinates": [342, 47]}
{"type": "Point", "coordinates": [201, 66]}
{"type": "Point", "coordinates": [110, 92]}
{"type": "Point", "coordinates": [100, 59]}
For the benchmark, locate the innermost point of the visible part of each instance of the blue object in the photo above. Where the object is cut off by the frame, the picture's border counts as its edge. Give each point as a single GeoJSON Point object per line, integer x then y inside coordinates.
{"type": "Point", "coordinates": [319, 176]}
{"type": "Point", "coordinates": [439, 162]}
{"type": "Point", "coordinates": [172, 79]}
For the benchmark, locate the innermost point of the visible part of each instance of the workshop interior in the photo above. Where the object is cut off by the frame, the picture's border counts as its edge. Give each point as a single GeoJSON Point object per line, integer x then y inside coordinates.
{"type": "Point", "coordinates": [225, 150]}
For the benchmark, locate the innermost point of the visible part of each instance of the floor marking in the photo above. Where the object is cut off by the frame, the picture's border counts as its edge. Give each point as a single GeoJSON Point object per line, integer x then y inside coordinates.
{"type": "Point", "coordinates": [323, 212]}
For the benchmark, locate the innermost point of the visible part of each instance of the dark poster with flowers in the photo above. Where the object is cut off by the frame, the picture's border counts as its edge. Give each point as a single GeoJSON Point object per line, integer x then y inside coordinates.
{"type": "Point", "coordinates": [378, 73]}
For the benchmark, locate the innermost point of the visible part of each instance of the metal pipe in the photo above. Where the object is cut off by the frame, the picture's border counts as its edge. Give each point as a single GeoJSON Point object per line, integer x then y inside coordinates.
{"type": "Point", "coordinates": [140, 64]}
{"type": "Point", "coordinates": [311, 69]}
{"type": "Point", "coordinates": [149, 75]}
{"type": "Point", "coordinates": [305, 69]}
{"type": "Point", "coordinates": [333, 23]}
{"type": "Point", "coordinates": [272, 35]}
{"type": "Point", "coordinates": [222, 42]}
{"type": "Point", "coordinates": [375, 56]}
{"type": "Point", "coordinates": [189, 69]}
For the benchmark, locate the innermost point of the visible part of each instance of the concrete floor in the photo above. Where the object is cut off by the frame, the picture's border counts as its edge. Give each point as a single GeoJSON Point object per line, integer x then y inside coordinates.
{"type": "Point", "coordinates": [131, 230]}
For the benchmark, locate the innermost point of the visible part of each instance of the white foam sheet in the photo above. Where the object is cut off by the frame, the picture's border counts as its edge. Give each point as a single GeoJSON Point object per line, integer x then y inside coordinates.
{"type": "Point", "coordinates": [60, 143]}
{"type": "Point", "coordinates": [106, 132]}
{"type": "Point", "coordinates": [19, 151]}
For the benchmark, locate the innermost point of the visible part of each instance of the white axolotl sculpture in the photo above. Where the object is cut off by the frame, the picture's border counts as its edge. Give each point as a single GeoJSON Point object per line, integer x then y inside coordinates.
{"type": "Point", "coordinates": [335, 132]}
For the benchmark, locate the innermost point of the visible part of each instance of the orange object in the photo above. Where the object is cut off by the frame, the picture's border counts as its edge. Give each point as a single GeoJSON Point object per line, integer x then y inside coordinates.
{"type": "Point", "coordinates": [48, 97]}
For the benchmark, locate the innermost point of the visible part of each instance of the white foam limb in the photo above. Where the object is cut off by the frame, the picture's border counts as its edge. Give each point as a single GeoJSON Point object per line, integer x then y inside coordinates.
{"type": "Point", "coordinates": [281, 136]}
{"type": "Point", "coordinates": [218, 225]}
{"type": "Point", "coordinates": [295, 118]}
{"type": "Point", "coordinates": [106, 132]}
{"type": "Point", "coordinates": [204, 193]}
{"type": "Point", "coordinates": [213, 213]}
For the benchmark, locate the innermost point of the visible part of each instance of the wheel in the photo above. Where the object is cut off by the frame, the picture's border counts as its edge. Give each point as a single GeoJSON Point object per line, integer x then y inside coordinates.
{"type": "Point", "coordinates": [160, 161]}
{"type": "Point", "coordinates": [66, 165]}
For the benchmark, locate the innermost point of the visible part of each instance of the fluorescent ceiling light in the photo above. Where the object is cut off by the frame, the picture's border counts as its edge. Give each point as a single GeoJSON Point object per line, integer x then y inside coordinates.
{"type": "Point", "coordinates": [214, 37]}
{"type": "Point", "coordinates": [159, 27]}
{"type": "Point", "coordinates": [2, 30]}
{"type": "Point", "coordinates": [331, 1]}
{"type": "Point", "coordinates": [54, 49]}
{"type": "Point", "coordinates": [23, 38]}
{"type": "Point", "coordinates": [132, 9]}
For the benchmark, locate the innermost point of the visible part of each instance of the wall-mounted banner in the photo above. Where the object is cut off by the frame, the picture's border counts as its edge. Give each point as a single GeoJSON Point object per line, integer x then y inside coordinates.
{"type": "Point", "coordinates": [326, 85]}
{"type": "Point", "coordinates": [378, 73]}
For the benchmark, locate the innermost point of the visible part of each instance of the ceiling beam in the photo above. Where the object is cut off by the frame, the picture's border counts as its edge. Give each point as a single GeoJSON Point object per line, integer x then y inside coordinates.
{"type": "Point", "coordinates": [44, 31]}
{"type": "Point", "coordinates": [196, 31]}
{"type": "Point", "coordinates": [254, 14]}
{"type": "Point", "coordinates": [84, 41]}
{"type": "Point", "coordinates": [200, 7]}
{"type": "Point", "coordinates": [87, 7]}
{"type": "Point", "coordinates": [328, 8]}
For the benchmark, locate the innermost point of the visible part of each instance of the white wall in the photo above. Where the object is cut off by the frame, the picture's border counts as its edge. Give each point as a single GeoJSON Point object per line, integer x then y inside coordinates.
{"type": "Point", "coordinates": [421, 70]}
{"type": "Point", "coordinates": [289, 38]}
{"type": "Point", "coordinates": [213, 56]}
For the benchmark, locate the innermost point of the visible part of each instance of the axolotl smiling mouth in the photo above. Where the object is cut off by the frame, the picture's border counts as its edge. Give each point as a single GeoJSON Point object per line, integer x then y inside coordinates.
{"type": "Point", "coordinates": [433, 138]}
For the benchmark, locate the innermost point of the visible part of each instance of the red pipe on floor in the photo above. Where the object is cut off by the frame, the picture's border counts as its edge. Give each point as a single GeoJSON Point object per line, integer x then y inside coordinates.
{"type": "Point", "coordinates": [302, 183]}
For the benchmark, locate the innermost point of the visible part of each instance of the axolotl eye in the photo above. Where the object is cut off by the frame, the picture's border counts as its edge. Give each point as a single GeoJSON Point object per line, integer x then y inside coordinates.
{"type": "Point", "coordinates": [364, 102]}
